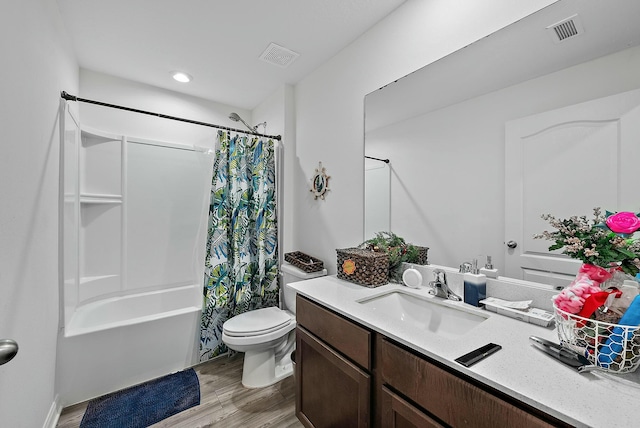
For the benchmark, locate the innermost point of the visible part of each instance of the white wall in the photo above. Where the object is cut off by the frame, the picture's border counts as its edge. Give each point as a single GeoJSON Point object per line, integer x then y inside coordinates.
{"type": "Point", "coordinates": [37, 65]}
{"type": "Point", "coordinates": [127, 93]}
{"type": "Point", "coordinates": [277, 110]}
{"type": "Point", "coordinates": [448, 165]}
{"type": "Point", "coordinates": [330, 106]}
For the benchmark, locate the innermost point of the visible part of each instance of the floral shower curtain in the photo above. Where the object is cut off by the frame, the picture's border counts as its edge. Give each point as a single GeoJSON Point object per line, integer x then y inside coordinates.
{"type": "Point", "coordinates": [241, 265]}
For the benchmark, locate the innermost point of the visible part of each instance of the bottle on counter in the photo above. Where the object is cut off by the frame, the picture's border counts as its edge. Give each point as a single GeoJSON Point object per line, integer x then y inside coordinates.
{"type": "Point", "coordinates": [475, 285]}
{"type": "Point", "coordinates": [488, 270]}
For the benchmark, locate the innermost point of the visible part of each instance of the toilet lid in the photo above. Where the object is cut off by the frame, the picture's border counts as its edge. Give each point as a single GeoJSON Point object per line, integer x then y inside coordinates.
{"type": "Point", "coordinates": [256, 322]}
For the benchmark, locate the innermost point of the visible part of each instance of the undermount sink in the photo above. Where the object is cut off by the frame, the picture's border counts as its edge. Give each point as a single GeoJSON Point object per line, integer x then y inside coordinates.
{"type": "Point", "coordinates": [424, 313]}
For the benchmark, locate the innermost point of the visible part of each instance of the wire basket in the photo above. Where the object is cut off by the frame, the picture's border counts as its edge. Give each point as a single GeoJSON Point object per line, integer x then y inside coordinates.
{"type": "Point", "coordinates": [614, 348]}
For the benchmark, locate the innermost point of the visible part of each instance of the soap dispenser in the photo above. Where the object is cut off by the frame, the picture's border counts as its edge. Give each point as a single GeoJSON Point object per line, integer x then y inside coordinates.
{"type": "Point", "coordinates": [488, 270]}
{"type": "Point", "coordinates": [475, 285]}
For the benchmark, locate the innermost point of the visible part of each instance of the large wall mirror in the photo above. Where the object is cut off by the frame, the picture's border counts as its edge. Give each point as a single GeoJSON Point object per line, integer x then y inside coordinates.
{"type": "Point", "coordinates": [540, 117]}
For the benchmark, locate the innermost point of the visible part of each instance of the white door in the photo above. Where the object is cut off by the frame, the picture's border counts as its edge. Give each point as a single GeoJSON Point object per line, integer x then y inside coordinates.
{"type": "Point", "coordinates": [565, 162]}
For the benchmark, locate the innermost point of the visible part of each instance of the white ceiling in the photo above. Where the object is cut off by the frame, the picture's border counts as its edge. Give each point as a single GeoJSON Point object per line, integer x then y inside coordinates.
{"type": "Point", "coordinates": [218, 42]}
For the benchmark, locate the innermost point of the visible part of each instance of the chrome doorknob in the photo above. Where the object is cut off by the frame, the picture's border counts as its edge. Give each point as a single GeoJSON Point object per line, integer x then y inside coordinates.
{"type": "Point", "coordinates": [512, 244]}
{"type": "Point", "coordinates": [8, 350]}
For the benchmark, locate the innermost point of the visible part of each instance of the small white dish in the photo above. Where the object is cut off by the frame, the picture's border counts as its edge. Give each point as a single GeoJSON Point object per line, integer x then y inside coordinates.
{"type": "Point", "coordinates": [412, 278]}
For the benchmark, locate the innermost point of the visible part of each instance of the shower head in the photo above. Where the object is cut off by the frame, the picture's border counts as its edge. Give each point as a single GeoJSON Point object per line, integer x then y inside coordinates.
{"type": "Point", "coordinates": [236, 118]}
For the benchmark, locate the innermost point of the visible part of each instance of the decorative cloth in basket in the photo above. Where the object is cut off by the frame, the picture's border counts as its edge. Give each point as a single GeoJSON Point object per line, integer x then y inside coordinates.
{"type": "Point", "coordinates": [613, 347]}
{"type": "Point", "coordinates": [363, 267]}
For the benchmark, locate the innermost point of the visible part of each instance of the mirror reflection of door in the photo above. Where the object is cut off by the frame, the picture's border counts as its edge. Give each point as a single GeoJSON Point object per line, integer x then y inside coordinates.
{"type": "Point", "coordinates": [572, 159]}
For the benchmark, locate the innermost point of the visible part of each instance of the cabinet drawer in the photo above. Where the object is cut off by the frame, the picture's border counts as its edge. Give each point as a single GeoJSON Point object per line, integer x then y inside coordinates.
{"type": "Point", "coordinates": [451, 399]}
{"type": "Point", "coordinates": [398, 413]}
{"type": "Point", "coordinates": [343, 335]}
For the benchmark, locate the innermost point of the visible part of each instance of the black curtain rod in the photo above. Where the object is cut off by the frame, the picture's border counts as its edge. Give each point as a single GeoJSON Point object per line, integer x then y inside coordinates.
{"type": "Point", "coordinates": [381, 160]}
{"type": "Point", "coordinates": [70, 97]}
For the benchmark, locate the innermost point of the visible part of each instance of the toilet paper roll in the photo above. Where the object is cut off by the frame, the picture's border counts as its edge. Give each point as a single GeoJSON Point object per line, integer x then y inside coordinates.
{"type": "Point", "coordinates": [412, 278]}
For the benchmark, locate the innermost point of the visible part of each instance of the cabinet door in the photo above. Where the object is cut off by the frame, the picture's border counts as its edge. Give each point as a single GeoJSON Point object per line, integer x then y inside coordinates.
{"type": "Point", "coordinates": [399, 413]}
{"type": "Point", "coordinates": [330, 390]}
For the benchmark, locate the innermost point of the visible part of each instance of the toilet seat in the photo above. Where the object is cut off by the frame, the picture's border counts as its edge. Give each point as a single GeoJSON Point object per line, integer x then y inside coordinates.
{"type": "Point", "coordinates": [257, 341]}
{"type": "Point", "coordinates": [257, 322]}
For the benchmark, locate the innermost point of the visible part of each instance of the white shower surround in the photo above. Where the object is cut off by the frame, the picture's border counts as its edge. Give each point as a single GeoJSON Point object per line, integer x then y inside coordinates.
{"type": "Point", "coordinates": [133, 236]}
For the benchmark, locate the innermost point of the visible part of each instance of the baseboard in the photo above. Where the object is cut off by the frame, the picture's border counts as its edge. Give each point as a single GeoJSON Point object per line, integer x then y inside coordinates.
{"type": "Point", "coordinates": [54, 413]}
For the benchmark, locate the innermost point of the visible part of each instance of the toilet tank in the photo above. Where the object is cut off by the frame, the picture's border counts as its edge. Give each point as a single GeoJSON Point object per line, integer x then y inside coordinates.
{"type": "Point", "coordinates": [292, 274]}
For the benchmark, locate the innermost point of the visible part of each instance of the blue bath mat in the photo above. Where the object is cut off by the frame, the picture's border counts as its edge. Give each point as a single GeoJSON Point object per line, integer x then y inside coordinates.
{"type": "Point", "coordinates": [145, 404]}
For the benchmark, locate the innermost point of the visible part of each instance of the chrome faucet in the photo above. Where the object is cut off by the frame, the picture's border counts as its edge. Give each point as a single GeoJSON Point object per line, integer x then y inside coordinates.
{"type": "Point", "coordinates": [465, 267]}
{"type": "Point", "coordinates": [439, 287]}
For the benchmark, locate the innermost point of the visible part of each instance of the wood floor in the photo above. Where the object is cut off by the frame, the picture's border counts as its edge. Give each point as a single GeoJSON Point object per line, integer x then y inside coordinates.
{"type": "Point", "coordinates": [224, 402]}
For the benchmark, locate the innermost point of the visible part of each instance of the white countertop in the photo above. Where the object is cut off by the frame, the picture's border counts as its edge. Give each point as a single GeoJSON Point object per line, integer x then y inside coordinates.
{"type": "Point", "coordinates": [592, 399]}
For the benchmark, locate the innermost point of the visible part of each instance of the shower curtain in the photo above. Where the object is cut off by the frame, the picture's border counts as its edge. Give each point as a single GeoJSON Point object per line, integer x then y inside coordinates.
{"type": "Point", "coordinates": [241, 265]}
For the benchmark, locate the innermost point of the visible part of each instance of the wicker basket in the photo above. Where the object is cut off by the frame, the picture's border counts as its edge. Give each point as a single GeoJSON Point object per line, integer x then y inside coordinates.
{"type": "Point", "coordinates": [304, 261]}
{"type": "Point", "coordinates": [363, 267]}
{"type": "Point", "coordinates": [600, 341]}
{"type": "Point", "coordinates": [423, 258]}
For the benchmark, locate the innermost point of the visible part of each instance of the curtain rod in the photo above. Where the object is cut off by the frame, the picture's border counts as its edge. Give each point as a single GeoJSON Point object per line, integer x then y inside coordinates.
{"type": "Point", "coordinates": [70, 97]}
{"type": "Point", "coordinates": [381, 160]}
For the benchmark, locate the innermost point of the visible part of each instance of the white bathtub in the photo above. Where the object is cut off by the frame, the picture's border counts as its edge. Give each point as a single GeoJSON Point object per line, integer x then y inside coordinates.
{"type": "Point", "coordinates": [118, 342]}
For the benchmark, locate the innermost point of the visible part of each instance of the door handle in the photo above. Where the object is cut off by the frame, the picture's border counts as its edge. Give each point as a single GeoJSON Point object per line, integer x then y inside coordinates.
{"type": "Point", "coordinates": [8, 350]}
{"type": "Point", "coordinates": [512, 244]}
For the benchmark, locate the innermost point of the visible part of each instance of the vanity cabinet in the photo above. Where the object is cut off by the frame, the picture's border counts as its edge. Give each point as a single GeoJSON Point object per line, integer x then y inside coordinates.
{"type": "Point", "coordinates": [350, 376]}
{"type": "Point", "coordinates": [446, 398]}
{"type": "Point", "coordinates": [333, 355]}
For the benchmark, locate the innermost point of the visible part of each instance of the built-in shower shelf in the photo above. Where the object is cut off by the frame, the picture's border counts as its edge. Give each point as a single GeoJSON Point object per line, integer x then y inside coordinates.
{"type": "Point", "coordinates": [97, 278]}
{"type": "Point", "coordinates": [88, 198]}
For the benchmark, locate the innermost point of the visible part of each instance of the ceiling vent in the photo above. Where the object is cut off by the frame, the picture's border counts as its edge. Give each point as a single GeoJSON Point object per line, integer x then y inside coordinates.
{"type": "Point", "coordinates": [278, 55]}
{"type": "Point", "coordinates": [565, 29]}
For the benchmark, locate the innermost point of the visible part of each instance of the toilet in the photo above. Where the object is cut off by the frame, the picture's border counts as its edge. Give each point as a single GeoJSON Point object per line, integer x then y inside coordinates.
{"type": "Point", "coordinates": [267, 336]}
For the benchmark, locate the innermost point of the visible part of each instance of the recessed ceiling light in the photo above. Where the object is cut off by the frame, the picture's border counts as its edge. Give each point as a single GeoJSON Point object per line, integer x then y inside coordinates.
{"type": "Point", "coordinates": [181, 77]}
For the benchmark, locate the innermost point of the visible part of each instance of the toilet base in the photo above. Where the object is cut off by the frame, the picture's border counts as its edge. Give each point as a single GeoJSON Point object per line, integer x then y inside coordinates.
{"type": "Point", "coordinates": [260, 369]}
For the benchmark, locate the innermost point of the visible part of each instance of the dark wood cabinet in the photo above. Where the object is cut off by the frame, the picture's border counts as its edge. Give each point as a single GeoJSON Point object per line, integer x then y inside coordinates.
{"type": "Point", "coordinates": [349, 376]}
{"type": "Point", "coordinates": [447, 397]}
{"type": "Point", "coordinates": [396, 412]}
{"type": "Point", "coordinates": [333, 387]}
{"type": "Point", "coordinates": [344, 335]}
{"type": "Point", "coordinates": [331, 391]}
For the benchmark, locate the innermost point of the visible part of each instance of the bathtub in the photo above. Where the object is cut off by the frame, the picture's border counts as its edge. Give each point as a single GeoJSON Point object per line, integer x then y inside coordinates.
{"type": "Point", "coordinates": [118, 342]}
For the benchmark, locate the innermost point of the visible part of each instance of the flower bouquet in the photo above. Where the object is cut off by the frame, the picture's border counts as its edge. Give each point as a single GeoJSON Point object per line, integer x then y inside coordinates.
{"type": "Point", "coordinates": [604, 241]}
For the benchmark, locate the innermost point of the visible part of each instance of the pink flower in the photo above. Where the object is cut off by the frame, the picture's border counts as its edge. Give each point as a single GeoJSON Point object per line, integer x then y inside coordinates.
{"type": "Point", "coordinates": [623, 222]}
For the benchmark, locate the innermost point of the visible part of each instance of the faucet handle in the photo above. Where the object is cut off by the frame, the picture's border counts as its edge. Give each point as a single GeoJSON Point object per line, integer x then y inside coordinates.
{"type": "Point", "coordinates": [465, 267]}
{"type": "Point", "coordinates": [439, 276]}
